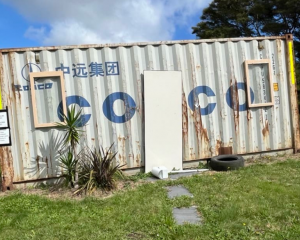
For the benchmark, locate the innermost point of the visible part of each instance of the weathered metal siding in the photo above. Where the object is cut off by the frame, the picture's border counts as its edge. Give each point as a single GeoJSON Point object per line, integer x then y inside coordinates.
{"type": "Point", "coordinates": [217, 65]}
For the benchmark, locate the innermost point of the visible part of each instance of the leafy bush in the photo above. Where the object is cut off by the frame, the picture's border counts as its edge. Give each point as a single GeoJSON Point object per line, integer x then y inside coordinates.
{"type": "Point", "coordinates": [97, 169]}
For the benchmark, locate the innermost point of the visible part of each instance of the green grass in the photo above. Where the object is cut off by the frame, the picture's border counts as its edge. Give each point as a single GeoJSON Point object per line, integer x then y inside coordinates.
{"type": "Point", "coordinates": [257, 202]}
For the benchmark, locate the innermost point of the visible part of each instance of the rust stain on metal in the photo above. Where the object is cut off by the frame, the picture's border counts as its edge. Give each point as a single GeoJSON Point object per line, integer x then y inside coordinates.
{"type": "Point", "coordinates": [235, 103]}
{"type": "Point", "coordinates": [192, 154]}
{"type": "Point", "coordinates": [265, 131]}
{"type": "Point", "coordinates": [11, 67]}
{"type": "Point", "coordinates": [201, 132]}
{"type": "Point", "coordinates": [218, 146]}
{"type": "Point", "coordinates": [185, 126]}
{"type": "Point", "coordinates": [6, 159]}
{"type": "Point", "coordinates": [122, 150]}
{"type": "Point", "coordinates": [138, 160]}
{"type": "Point", "coordinates": [6, 168]}
{"type": "Point", "coordinates": [138, 155]}
{"type": "Point", "coordinates": [225, 150]}
{"type": "Point", "coordinates": [249, 115]}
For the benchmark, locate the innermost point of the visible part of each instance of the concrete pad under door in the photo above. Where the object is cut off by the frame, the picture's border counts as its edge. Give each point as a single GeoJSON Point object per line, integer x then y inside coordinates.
{"type": "Point", "coordinates": [163, 119]}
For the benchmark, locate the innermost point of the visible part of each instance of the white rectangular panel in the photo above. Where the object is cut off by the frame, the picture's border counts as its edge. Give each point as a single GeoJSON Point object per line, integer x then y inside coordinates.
{"type": "Point", "coordinates": [163, 119]}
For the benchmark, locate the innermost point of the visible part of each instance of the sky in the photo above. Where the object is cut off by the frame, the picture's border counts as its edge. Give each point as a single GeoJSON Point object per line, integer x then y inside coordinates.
{"type": "Point", "coordinates": [33, 23]}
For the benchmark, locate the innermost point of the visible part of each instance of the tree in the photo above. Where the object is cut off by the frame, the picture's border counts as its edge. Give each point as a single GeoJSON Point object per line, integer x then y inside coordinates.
{"type": "Point", "coordinates": [243, 18]}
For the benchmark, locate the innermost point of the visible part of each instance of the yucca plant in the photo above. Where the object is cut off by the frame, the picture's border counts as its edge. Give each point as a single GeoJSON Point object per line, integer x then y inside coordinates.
{"type": "Point", "coordinates": [97, 169]}
{"type": "Point", "coordinates": [68, 162]}
{"type": "Point", "coordinates": [71, 125]}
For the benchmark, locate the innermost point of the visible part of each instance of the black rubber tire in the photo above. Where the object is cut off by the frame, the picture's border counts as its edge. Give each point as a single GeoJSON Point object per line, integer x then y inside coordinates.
{"type": "Point", "coordinates": [226, 162]}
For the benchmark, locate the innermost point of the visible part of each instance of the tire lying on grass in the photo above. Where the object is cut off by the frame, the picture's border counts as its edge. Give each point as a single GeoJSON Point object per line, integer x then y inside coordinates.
{"type": "Point", "coordinates": [226, 162]}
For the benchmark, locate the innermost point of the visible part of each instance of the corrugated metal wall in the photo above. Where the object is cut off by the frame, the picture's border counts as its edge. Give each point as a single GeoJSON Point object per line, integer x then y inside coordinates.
{"type": "Point", "coordinates": [108, 83]}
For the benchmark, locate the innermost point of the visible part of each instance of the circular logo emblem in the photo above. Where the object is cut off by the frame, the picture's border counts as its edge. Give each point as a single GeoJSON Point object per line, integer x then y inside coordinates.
{"type": "Point", "coordinates": [28, 68]}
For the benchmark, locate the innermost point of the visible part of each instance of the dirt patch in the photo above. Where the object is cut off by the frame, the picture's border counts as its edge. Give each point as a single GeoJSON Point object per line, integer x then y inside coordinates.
{"type": "Point", "coordinates": [63, 193]}
{"type": "Point", "coordinates": [270, 159]}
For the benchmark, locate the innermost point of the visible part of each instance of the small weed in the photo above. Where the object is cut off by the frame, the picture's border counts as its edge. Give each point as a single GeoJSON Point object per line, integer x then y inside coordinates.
{"type": "Point", "coordinates": [203, 165]}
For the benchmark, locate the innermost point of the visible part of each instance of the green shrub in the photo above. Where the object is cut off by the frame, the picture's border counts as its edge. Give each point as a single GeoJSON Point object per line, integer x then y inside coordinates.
{"type": "Point", "coordinates": [97, 169]}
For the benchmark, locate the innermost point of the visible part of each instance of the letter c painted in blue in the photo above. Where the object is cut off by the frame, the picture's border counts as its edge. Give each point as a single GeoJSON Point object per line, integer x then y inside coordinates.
{"type": "Point", "coordinates": [129, 107]}
{"type": "Point", "coordinates": [242, 86]}
{"type": "Point", "coordinates": [82, 102]}
{"type": "Point", "coordinates": [194, 94]}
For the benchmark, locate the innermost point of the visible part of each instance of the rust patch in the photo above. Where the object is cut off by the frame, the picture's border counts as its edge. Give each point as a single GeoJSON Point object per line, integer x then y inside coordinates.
{"type": "Point", "coordinates": [138, 159]}
{"type": "Point", "coordinates": [185, 127]}
{"type": "Point", "coordinates": [265, 131]}
{"type": "Point", "coordinates": [6, 168]}
{"type": "Point", "coordinates": [249, 115]}
{"type": "Point", "coordinates": [218, 146]}
{"type": "Point", "coordinates": [192, 154]}
{"type": "Point", "coordinates": [201, 132]}
{"type": "Point", "coordinates": [93, 139]}
{"type": "Point", "coordinates": [225, 150]}
{"type": "Point", "coordinates": [11, 65]}
{"type": "Point", "coordinates": [235, 103]}
{"type": "Point", "coordinates": [122, 150]}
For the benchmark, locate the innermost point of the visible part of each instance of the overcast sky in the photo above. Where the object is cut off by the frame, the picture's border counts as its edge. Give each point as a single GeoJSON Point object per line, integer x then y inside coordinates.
{"type": "Point", "coordinates": [62, 22]}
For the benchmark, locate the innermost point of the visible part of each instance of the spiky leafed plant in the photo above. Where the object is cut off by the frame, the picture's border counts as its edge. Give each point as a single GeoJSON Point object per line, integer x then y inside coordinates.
{"type": "Point", "coordinates": [97, 169]}
{"type": "Point", "coordinates": [68, 163]}
{"type": "Point", "coordinates": [71, 124]}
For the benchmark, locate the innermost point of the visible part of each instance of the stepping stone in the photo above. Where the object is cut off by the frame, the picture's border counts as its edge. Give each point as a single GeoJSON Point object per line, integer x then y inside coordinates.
{"type": "Point", "coordinates": [177, 191]}
{"type": "Point", "coordinates": [186, 215]}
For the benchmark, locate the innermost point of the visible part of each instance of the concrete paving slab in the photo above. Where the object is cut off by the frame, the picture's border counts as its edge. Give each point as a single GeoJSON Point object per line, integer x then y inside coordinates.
{"type": "Point", "coordinates": [175, 176]}
{"type": "Point", "coordinates": [177, 191]}
{"type": "Point", "coordinates": [186, 215]}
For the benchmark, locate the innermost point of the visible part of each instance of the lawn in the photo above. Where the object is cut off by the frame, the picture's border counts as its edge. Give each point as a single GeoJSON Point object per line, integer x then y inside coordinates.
{"type": "Point", "coordinates": [261, 201]}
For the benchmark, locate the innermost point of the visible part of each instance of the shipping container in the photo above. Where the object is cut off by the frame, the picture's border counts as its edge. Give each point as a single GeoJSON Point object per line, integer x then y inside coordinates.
{"type": "Point", "coordinates": [238, 93]}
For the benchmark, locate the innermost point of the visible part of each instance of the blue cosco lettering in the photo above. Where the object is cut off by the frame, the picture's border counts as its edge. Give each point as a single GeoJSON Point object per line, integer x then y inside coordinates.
{"type": "Point", "coordinates": [82, 102]}
{"type": "Point", "coordinates": [193, 98]}
{"type": "Point", "coordinates": [242, 86]}
{"type": "Point", "coordinates": [129, 107]}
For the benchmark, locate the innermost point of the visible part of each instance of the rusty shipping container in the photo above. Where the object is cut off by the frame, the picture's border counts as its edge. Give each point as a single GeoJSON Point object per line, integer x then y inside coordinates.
{"type": "Point", "coordinates": [107, 82]}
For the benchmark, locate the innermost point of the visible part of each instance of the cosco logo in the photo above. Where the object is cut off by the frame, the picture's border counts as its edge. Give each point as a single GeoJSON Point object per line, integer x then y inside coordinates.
{"type": "Point", "coordinates": [130, 105]}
